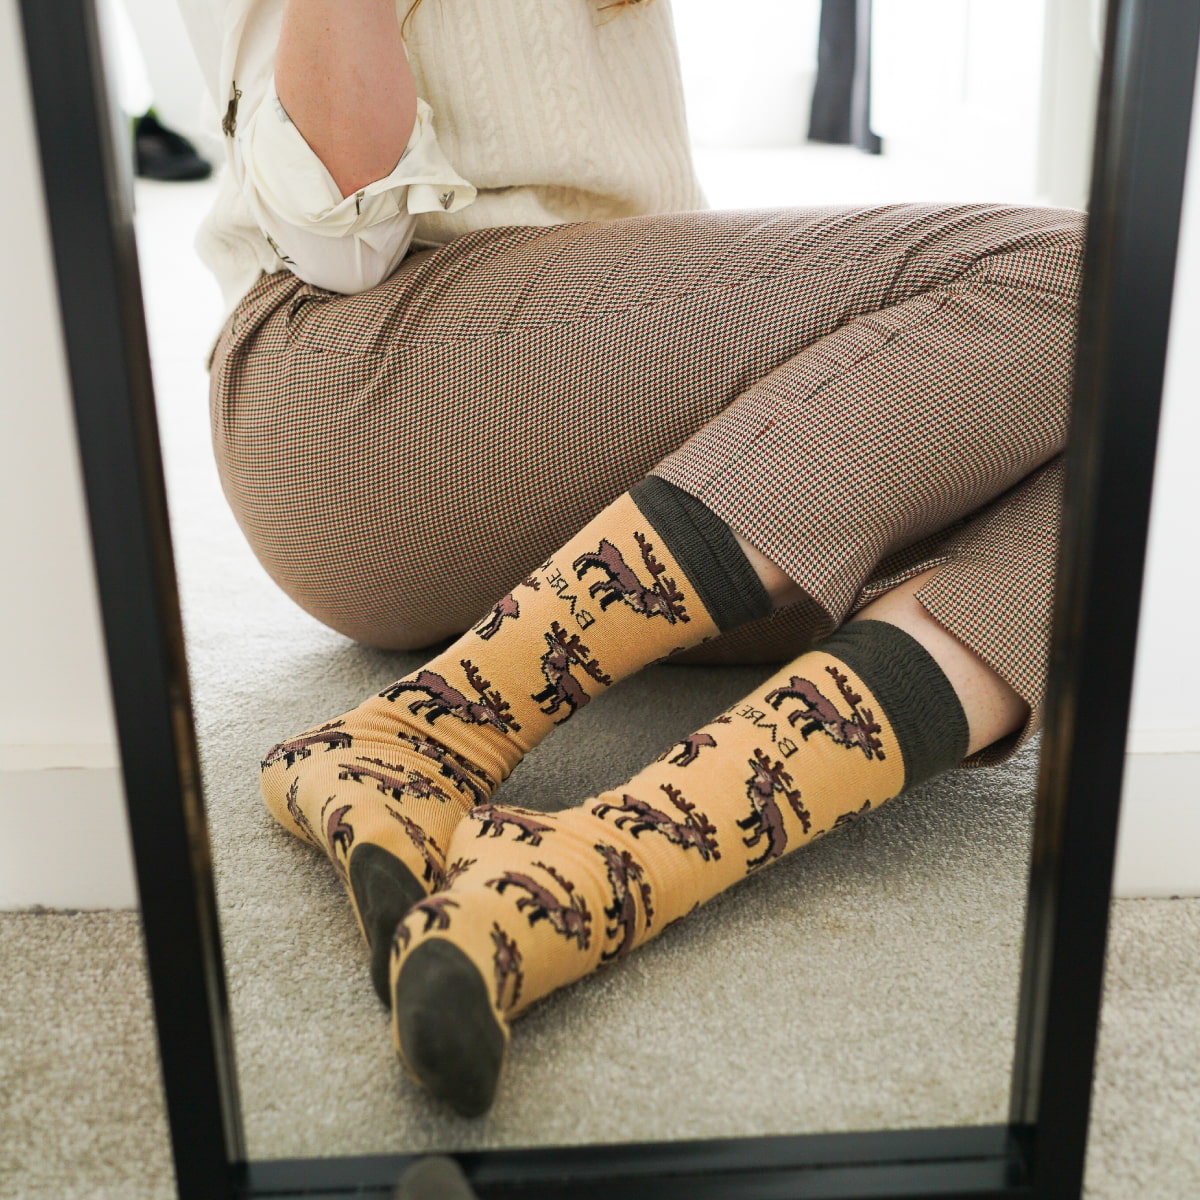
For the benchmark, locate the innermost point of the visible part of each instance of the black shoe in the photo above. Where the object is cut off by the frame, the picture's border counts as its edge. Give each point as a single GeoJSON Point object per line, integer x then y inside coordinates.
{"type": "Point", "coordinates": [161, 153]}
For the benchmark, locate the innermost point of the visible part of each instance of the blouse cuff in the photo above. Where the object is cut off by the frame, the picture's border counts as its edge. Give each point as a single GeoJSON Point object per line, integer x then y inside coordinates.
{"type": "Point", "coordinates": [284, 174]}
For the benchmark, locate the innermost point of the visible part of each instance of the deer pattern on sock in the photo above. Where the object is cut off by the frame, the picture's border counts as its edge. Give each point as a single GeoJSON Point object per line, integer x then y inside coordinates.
{"type": "Point", "coordinates": [436, 911]}
{"type": "Point", "coordinates": [571, 917]}
{"type": "Point", "coordinates": [626, 881]}
{"type": "Point", "coordinates": [848, 818]}
{"type": "Point", "coordinates": [456, 868]}
{"type": "Point", "coordinates": [506, 968]}
{"type": "Point", "coordinates": [661, 599]}
{"type": "Point", "coordinates": [443, 699]}
{"type": "Point", "coordinates": [494, 819]}
{"type": "Point", "coordinates": [507, 606]}
{"type": "Point", "coordinates": [694, 832]}
{"type": "Point", "coordinates": [392, 780]}
{"type": "Point", "coordinates": [563, 651]}
{"type": "Point", "coordinates": [689, 751]}
{"type": "Point", "coordinates": [859, 730]}
{"type": "Point", "coordinates": [339, 836]}
{"type": "Point", "coordinates": [766, 819]}
{"type": "Point", "coordinates": [330, 735]}
{"type": "Point", "coordinates": [297, 814]}
{"type": "Point", "coordinates": [473, 781]}
{"type": "Point", "coordinates": [431, 854]}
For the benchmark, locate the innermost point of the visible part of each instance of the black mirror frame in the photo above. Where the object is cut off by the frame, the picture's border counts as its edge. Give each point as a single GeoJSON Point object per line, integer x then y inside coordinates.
{"type": "Point", "coordinates": [1146, 95]}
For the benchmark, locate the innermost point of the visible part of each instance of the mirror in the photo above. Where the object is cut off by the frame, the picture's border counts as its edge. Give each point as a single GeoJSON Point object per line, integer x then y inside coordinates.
{"type": "Point", "coordinates": [867, 982]}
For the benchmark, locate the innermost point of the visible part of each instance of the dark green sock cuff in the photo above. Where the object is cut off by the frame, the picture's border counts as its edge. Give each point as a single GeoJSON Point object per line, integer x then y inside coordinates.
{"type": "Point", "coordinates": [916, 697]}
{"type": "Point", "coordinates": [707, 550]}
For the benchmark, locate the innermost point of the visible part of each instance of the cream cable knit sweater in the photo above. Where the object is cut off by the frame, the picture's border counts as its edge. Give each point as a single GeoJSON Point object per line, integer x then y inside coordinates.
{"type": "Point", "coordinates": [555, 110]}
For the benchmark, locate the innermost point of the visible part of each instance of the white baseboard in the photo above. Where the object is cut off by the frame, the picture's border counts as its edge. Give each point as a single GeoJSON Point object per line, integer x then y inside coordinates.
{"type": "Point", "coordinates": [65, 840]}
{"type": "Point", "coordinates": [1163, 741]}
{"type": "Point", "coordinates": [1158, 848]}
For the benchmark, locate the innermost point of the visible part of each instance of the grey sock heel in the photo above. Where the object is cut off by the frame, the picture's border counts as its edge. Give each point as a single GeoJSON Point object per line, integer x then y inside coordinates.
{"type": "Point", "coordinates": [384, 890]}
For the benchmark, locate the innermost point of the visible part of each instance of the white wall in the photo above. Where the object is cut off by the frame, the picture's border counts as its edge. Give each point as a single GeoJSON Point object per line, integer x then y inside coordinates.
{"type": "Point", "coordinates": [65, 840]}
{"type": "Point", "coordinates": [960, 81]}
{"type": "Point", "coordinates": [748, 71]}
{"type": "Point", "coordinates": [1074, 46]}
{"type": "Point", "coordinates": [1166, 698]}
{"type": "Point", "coordinates": [999, 97]}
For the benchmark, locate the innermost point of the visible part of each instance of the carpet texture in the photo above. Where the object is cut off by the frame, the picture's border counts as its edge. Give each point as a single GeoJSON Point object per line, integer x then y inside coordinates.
{"type": "Point", "coordinates": [866, 982]}
{"type": "Point", "coordinates": [81, 1116]}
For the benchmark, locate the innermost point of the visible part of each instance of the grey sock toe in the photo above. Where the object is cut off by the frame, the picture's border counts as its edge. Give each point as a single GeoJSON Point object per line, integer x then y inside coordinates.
{"type": "Point", "coordinates": [449, 1036]}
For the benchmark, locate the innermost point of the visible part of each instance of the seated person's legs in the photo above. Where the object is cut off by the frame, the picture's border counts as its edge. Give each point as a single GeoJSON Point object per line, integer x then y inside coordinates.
{"type": "Point", "coordinates": [399, 459]}
{"type": "Point", "coordinates": [889, 700]}
{"type": "Point", "coordinates": [946, 663]}
{"type": "Point", "coordinates": [857, 462]}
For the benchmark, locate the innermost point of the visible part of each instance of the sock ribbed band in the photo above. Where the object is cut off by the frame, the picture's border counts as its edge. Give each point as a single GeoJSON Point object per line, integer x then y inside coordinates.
{"type": "Point", "coordinates": [913, 691]}
{"type": "Point", "coordinates": [707, 550]}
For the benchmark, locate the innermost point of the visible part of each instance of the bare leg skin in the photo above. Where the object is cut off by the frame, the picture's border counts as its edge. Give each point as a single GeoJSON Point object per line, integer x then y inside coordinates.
{"type": "Point", "coordinates": [993, 709]}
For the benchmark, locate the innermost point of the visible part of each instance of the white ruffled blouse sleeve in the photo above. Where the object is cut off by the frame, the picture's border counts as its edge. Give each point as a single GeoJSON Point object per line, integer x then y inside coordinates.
{"type": "Point", "coordinates": [342, 244]}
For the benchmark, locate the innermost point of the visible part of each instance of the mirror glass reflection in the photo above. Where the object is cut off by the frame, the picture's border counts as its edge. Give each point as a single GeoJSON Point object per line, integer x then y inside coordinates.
{"type": "Point", "coordinates": [866, 982]}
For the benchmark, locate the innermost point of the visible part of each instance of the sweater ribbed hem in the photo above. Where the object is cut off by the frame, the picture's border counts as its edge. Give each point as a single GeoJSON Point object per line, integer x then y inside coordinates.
{"type": "Point", "coordinates": [707, 550]}
{"type": "Point", "coordinates": [916, 697]}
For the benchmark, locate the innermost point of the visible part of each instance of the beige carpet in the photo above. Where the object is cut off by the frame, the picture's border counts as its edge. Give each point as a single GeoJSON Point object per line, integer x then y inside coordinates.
{"type": "Point", "coordinates": [80, 1115]}
{"type": "Point", "coordinates": [868, 982]}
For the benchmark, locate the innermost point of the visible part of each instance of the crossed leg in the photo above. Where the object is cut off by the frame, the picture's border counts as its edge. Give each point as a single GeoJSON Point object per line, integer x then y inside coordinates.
{"type": "Point", "coordinates": [518, 917]}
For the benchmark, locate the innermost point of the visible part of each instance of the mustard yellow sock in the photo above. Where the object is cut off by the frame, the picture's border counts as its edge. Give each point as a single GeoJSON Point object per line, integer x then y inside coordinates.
{"type": "Point", "coordinates": [534, 902]}
{"type": "Point", "coordinates": [381, 788]}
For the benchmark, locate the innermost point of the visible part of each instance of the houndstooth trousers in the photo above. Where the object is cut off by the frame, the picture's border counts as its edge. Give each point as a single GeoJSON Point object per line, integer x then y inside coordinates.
{"type": "Point", "coordinates": [863, 394]}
